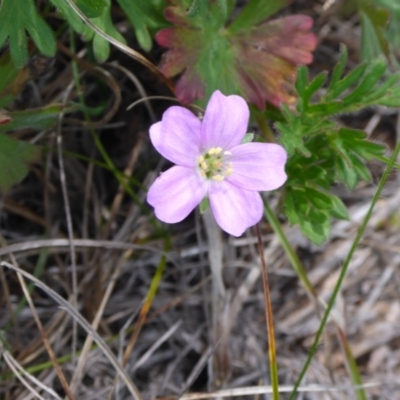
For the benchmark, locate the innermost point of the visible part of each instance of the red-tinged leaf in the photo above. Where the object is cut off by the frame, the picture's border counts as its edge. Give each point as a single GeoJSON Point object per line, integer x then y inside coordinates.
{"type": "Point", "coordinates": [268, 55]}
{"type": "Point", "coordinates": [4, 117]}
{"type": "Point", "coordinates": [257, 63]}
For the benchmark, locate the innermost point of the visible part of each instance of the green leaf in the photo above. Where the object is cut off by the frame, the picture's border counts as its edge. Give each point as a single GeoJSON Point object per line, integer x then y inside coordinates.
{"type": "Point", "coordinates": [101, 46]}
{"type": "Point", "coordinates": [197, 8]}
{"type": "Point", "coordinates": [383, 90]}
{"type": "Point", "coordinates": [146, 17]}
{"type": "Point", "coordinates": [69, 14]}
{"type": "Point", "coordinates": [338, 210]}
{"type": "Point", "coordinates": [326, 109]}
{"type": "Point", "coordinates": [346, 174]}
{"type": "Point", "coordinates": [314, 85]}
{"type": "Point", "coordinates": [102, 19]}
{"type": "Point", "coordinates": [92, 8]}
{"type": "Point", "coordinates": [357, 142]}
{"type": "Point", "coordinates": [374, 73]}
{"type": "Point", "coordinates": [391, 99]}
{"type": "Point", "coordinates": [204, 205]}
{"type": "Point", "coordinates": [248, 137]}
{"type": "Point", "coordinates": [17, 17]}
{"type": "Point", "coordinates": [374, 22]}
{"type": "Point", "coordinates": [318, 232]}
{"type": "Point", "coordinates": [8, 72]}
{"type": "Point", "coordinates": [14, 157]}
{"type": "Point", "coordinates": [6, 100]}
{"type": "Point", "coordinates": [345, 83]}
{"type": "Point", "coordinates": [39, 118]}
{"type": "Point", "coordinates": [360, 168]}
{"type": "Point", "coordinates": [339, 68]}
{"type": "Point", "coordinates": [393, 33]}
{"type": "Point", "coordinates": [320, 200]}
{"type": "Point", "coordinates": [255, 12]}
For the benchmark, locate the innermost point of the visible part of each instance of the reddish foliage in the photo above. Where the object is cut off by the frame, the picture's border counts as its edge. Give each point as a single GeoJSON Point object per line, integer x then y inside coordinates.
{"type": "Point", "coordinates": [261, 61]}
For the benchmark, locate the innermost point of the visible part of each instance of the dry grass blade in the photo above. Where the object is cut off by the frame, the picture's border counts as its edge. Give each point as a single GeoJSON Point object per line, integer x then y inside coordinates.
{"type": "Point", "coordinates": [139, 88]}
{"type": "Point", "coordinates": [257, 390]}
{"type": "Point", "coordinates": [155, 282]}
{"type": "Point", "coordinates": [68, 217]}
{"type": "Point", "coordinates": [96, 321]}
{"type": "Point", "coordinates": [19, 371]}
{"type": "Point", "coordinates": [269, 318]}
{"type": "Point", "coordinates": [85, 325]}
{"type": "Point", "coordinates": [18, 374]}
{"type": "Point", "coordinates": [79, 243]}
{"type": "Point", "coordinates": [45, 340]}
{"type": "Point", "coordinates": [6, 293]}
{"type": "Point", "coordinates": [128, 172]}
{"type": "Point", "coordinates": [157, 344]}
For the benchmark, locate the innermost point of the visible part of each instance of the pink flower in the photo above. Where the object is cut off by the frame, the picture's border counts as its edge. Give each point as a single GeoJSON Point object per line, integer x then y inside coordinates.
{"type": "Point", "coordinates": [211, 161]}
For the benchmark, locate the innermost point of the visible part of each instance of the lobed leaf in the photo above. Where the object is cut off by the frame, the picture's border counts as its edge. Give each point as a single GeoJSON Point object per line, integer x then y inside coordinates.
{"type": "Point", "coordinates": [257, 62]}
{"type": "Point", "coordinates": [321, 152]}
{"type": "Point", "coordinates": [17, 17]}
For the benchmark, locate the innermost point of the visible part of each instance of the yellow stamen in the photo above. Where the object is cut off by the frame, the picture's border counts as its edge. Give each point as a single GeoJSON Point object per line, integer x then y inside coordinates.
{"type": "Point", "coordinates": [204, 166]}
{"type": "Point", "coordinates": [218, 178]}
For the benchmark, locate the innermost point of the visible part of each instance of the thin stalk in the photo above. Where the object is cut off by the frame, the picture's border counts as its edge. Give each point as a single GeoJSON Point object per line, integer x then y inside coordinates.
{"type": "Point", "coordinates": [218, 300]}
{"type": "Point", "coordinates": [269, 320]}
{"type": "Point", "coordinates": [263, 125]}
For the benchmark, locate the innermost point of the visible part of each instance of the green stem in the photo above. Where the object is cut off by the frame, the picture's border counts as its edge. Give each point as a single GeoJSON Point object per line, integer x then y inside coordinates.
{"type": "Point", "coordinates": [263, 125]}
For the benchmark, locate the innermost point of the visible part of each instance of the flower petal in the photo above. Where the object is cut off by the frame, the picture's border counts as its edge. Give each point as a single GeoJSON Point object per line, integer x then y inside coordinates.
{"type": "Point", "coordinates": [225, 121]}
{"type": "Point", "coordinates": [235, 209]}
{"type": "Point", "coordinates": [175, 193]}
{"type": "Point", "coordinates": [258, 166]}
{"type": "Point", "coordinates": [177, 136]}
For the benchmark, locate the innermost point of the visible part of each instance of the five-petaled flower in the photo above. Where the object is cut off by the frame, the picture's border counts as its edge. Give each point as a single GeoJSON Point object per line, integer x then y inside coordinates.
{"type": "Point", "coordinates": [211, 161]}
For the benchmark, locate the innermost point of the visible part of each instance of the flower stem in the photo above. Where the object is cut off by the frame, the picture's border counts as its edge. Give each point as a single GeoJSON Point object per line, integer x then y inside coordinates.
{"type": "Point", "coordinates": [264, 127]}
{"type": "Point", "coordinates": [215, 255]}
{"type": "Point", "coordinates": [269, 320]}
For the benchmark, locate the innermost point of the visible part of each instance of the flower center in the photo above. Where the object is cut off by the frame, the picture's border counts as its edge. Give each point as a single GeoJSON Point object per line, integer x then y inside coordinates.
{"type": "Point", "coordinates": [214, 164]}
